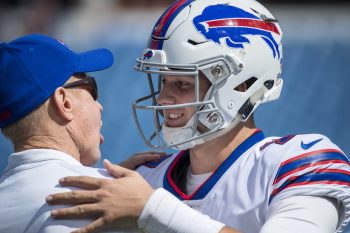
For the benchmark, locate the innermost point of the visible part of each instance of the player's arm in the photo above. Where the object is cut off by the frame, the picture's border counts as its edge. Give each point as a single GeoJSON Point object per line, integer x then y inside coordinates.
{"type": "Point", "coordinates": [137, 159]}
{"type": "Point", "coordinates": [302, 214]}
{"type": "Point", "coordinates": [130, 198]}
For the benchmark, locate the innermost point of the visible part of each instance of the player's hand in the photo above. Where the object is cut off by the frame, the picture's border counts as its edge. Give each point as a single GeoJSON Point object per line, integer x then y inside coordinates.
{"type": "Point", "coordinates": [139, 158]}
{"type": "Point", "coordinates": [108, 200]}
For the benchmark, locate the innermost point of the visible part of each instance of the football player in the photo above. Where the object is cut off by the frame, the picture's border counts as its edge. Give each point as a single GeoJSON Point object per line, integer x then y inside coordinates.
{"type": "Point", "coordinates": [210, 64]}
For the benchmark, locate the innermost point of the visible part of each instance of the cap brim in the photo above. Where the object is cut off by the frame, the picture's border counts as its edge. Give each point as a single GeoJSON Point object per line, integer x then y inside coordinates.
{"type": "Point", "coordinates": [94, 60]}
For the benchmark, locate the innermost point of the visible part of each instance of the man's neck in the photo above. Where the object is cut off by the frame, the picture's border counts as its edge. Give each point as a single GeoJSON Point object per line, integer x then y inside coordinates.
{"type": "Point", "coordinates": [207, 157]}
{"type": "Point", "coordinates": [47, 142]}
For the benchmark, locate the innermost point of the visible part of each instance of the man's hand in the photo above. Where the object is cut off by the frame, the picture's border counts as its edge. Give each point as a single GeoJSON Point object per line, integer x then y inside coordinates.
{"type": "Point", "coordinates": [109, 200]}
{"type": "Point", "coordinates": [137, 159]}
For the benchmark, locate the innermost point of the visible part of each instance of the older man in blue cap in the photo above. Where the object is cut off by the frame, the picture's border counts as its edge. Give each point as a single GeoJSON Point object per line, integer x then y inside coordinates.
{"type": "Point", "coordinates": [49, 110]}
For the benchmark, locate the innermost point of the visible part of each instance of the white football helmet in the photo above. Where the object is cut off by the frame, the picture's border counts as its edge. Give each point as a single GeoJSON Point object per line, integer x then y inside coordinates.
{"type": "Point", "coordinates": [231, 42]}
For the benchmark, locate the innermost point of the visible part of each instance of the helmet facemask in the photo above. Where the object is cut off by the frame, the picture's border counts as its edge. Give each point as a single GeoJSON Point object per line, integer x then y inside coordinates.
{"type": "Point", "coordinates": [207, 118]}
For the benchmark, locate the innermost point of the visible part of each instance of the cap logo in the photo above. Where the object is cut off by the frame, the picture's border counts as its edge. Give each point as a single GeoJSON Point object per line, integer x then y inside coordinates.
{"type": "Point", "coordinates": [228, 25]}
{"type": "Point", "coordinates": [5, 115]}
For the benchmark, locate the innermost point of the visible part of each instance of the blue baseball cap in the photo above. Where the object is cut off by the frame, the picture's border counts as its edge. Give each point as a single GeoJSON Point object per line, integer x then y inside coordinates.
{"type": "Point", "coordinates": [33, 66]}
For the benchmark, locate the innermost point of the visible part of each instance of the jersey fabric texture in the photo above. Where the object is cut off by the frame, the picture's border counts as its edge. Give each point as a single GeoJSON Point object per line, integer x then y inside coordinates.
{"type": "Point", "coordinates": [257, 173]}
{"type": "Point", "coordinates": [31, 176]}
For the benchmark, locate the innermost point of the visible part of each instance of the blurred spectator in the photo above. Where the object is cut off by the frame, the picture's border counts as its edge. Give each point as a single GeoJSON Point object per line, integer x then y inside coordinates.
{"type": "Point", "coordinates": [18, 17]}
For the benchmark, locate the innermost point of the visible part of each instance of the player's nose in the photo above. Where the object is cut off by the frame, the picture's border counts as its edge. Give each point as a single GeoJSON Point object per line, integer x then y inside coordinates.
{"type": "Point", "coordinates": [166, 96]}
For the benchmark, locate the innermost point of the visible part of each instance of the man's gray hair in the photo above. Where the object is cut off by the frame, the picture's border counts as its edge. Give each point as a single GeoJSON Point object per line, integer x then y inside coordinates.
{"type": "Point", "coordinates": [24, 127]}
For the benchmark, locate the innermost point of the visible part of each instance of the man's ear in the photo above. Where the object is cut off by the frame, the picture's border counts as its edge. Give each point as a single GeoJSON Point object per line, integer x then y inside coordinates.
{"type": "Point", "coordinates": [62, 100]}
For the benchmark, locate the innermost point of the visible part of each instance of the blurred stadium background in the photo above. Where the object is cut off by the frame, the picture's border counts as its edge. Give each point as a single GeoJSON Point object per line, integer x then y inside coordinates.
{"type": "Point", "coordinates": [316, 62]}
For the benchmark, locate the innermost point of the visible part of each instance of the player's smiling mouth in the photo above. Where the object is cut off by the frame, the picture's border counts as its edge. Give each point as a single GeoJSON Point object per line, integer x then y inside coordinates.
{"type": "Point", "coordinates": [175, 116]}
{"type": "Point", "coordinates": [174, 119]}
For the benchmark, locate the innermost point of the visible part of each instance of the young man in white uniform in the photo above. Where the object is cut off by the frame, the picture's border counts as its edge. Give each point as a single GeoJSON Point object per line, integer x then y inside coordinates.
{"type": "Point", "coordinates": [215, 62]}
{"type": "Point", "coordinates": [296, 183]}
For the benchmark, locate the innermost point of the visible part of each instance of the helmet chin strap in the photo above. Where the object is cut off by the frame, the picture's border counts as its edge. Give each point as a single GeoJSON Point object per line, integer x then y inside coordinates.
{"type": "Point", "coordinates": [173, 135]}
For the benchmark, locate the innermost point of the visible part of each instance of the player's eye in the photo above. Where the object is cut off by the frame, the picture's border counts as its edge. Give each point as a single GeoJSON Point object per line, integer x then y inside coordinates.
{"type": "Point", "coordinates": [184, 84]}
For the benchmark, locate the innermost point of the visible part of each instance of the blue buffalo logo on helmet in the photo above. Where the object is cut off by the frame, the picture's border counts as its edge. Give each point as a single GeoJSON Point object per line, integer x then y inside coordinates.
{"type": "Point", "coordinates": [148, 55]}
{"type": "Point", "coordinates": [233, 24]}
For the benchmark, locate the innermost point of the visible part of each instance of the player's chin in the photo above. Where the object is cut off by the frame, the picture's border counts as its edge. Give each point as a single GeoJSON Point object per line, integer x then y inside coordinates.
{"type": "Point", "coordinates": [179, 122]}
{"type": "Point", "coordinates": [175, 124]}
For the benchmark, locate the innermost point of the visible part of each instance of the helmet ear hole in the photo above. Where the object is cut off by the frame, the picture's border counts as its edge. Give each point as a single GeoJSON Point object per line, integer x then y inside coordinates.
{"type": "Point", "coordinates": [243, 87]}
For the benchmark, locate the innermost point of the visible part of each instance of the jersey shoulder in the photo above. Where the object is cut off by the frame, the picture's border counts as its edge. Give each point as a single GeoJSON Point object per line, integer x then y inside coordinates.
{"type": "Point", "coordinates": [293, 155]}
{"type": "Point", "coordinates": [276, 150]}
{"type": "Point", "coordinates": [308, 165]}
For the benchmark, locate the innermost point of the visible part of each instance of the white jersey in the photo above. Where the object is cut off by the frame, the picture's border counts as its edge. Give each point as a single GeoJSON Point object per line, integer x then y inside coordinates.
{"type": "Point", "coordinates": [259, 172]}
{"type": "Point", "coordinates": [32, 175]}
